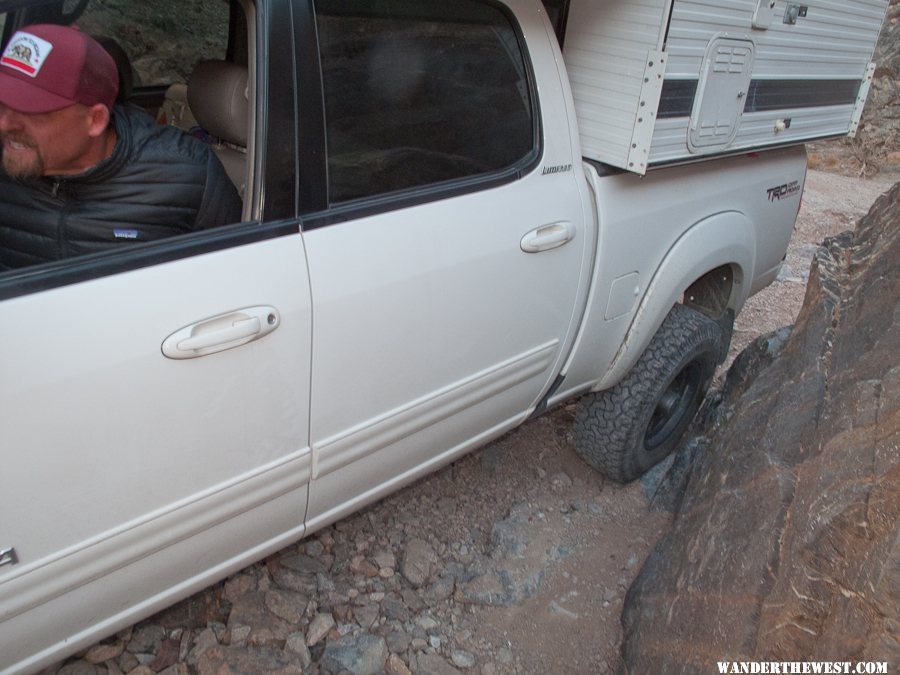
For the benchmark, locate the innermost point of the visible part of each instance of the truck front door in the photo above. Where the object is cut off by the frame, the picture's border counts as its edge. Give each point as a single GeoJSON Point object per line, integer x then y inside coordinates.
{"type": "Point", "coordinates": [154, 407]}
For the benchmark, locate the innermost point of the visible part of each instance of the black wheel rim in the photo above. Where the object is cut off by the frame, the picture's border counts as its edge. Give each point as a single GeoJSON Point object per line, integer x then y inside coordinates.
{"type": "Point", "coordinates": [674, 408]}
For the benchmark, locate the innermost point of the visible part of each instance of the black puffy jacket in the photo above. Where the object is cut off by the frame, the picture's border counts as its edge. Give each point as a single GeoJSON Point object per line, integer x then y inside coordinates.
{"type": "Point", "coordinates": [158, 182]}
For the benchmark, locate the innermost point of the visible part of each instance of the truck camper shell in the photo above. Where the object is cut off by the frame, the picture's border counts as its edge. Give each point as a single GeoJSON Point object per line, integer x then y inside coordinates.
{"type": "Point", "coordinates": [658, 82]}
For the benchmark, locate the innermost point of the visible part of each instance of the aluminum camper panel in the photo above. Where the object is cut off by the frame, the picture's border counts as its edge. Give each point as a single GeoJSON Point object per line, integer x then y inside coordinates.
{"type": "Point", "coordinates": [834, 40]}
{"type": "Point", "coordinates": [809, 72]}
{"type": "Point", "coordinates": [807, 76]}
{"type": "Point", "coordinates": [606, 53]}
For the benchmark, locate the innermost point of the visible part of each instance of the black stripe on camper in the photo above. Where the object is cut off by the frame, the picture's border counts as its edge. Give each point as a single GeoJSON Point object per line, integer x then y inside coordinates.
{"type": "Point", "coordinates": [677, 99]}
{"type": "Point", "coordinates": [781, 94]}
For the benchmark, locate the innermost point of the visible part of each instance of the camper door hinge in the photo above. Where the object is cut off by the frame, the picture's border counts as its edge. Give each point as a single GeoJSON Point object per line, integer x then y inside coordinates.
{"type": "Point", "coordinates": [8, 556]}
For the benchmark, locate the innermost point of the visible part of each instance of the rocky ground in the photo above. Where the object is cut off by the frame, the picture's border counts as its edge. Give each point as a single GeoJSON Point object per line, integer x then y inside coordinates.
{"type": "Point", "coordinates": [515, 559]}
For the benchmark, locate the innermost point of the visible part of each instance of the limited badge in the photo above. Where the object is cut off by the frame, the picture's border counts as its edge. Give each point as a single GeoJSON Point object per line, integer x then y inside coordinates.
{"type": "Point", "coordinates": [26, 53]}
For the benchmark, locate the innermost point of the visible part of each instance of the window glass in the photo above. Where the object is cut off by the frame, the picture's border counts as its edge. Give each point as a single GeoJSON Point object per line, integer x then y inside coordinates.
{"type": "Point", "coordinates": [420, 92]}
{"type": "Point", "coordinates": [163, 38]}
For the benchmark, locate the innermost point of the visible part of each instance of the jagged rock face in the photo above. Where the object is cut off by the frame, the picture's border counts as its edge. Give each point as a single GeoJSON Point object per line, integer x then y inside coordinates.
{"type": "Point", "coordinates": [786, 546]}
{"type": "Point", "coordinates": [880, 128]}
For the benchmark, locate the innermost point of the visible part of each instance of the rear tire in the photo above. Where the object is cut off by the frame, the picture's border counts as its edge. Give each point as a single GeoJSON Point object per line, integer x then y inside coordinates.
{"type": "Point", "coordinates": [624, 431]}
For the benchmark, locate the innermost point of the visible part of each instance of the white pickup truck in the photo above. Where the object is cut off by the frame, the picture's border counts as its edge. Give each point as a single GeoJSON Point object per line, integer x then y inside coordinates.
{"type": "Point", "coordinates": [440, 241]}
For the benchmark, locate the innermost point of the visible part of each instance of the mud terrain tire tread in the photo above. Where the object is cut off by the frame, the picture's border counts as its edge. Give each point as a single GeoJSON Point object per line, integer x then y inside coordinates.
{"type": "Point", "coordinates": [611, 426]}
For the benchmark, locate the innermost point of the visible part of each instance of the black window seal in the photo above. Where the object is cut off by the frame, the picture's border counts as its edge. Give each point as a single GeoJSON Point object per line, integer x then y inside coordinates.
{"type": "Point", "coordinates": [276, 114]}
{"type": "Point", "coordinates": [312, 156]}
{"type": "Point", "coordinates": [331, 214]}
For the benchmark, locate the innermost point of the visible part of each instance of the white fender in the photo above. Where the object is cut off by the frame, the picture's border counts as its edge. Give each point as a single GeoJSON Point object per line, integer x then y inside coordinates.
{"type": "Point", "coordinates": [727, 238]}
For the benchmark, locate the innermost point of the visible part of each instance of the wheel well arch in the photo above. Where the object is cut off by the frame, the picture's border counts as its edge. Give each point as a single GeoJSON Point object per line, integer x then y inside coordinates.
{"type": "Point", "coordinates": [707, 269]}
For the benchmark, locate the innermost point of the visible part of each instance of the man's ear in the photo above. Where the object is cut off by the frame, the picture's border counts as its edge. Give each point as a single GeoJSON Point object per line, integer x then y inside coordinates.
{"type": "Point", "coordinates": [98, 120]}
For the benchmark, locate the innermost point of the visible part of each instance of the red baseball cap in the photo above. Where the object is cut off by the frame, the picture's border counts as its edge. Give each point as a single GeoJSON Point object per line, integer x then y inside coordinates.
{"type": "Point", "coordinates": [47, 67]}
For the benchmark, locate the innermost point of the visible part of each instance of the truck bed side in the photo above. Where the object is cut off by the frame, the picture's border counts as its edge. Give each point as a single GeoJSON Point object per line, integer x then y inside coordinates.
{"type": "Point", "coordinates": [659, 234]}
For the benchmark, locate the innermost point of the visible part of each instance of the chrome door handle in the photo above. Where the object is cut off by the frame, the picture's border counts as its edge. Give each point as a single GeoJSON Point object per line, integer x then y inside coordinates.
{"type": "Point", "coordinates": [221, 332]}
{"type": "Point", "coordinates": [548, 237]}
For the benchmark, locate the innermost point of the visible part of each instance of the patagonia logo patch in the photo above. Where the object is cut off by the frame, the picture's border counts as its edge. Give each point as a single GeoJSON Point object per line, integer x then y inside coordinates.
{"type": "Point", "coordinates": [26, 53]}
{"type": "Point", "coordinates": [125, 234]}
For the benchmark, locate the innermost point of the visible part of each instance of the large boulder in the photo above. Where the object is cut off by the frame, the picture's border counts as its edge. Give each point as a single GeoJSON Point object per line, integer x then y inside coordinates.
{"type": "Point", "coordinates": [786, 543]}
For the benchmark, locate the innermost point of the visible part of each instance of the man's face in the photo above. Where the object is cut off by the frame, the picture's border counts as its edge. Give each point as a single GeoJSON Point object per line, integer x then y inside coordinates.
{"type": "Point", "coordinates": [44, 144]}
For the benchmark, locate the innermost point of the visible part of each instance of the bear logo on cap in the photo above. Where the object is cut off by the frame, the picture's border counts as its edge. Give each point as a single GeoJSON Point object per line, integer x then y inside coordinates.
{"type": "Point", "coordinates": [26, 53]}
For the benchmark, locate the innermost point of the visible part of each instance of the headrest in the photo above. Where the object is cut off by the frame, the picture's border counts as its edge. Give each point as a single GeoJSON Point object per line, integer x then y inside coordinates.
{"type": "Point", "coordinates": [123, 65]}
{"type": "Point", "coordinates": [217, 95]}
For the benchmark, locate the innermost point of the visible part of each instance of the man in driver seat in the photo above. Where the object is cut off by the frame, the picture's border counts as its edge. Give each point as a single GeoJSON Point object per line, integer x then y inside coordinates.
{"type": "Point", "coordinates": [82, 174]}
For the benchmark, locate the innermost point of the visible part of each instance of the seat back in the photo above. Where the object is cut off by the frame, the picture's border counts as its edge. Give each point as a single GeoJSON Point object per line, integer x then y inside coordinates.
{"type": "Point", "coordinates": [127, 75]}
{"type": "Point", "coordinates": [217, 96]}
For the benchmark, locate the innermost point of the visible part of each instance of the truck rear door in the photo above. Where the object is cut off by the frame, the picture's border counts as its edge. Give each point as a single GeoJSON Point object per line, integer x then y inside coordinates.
{"type": "Point", "coordinates": [447, 262]}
